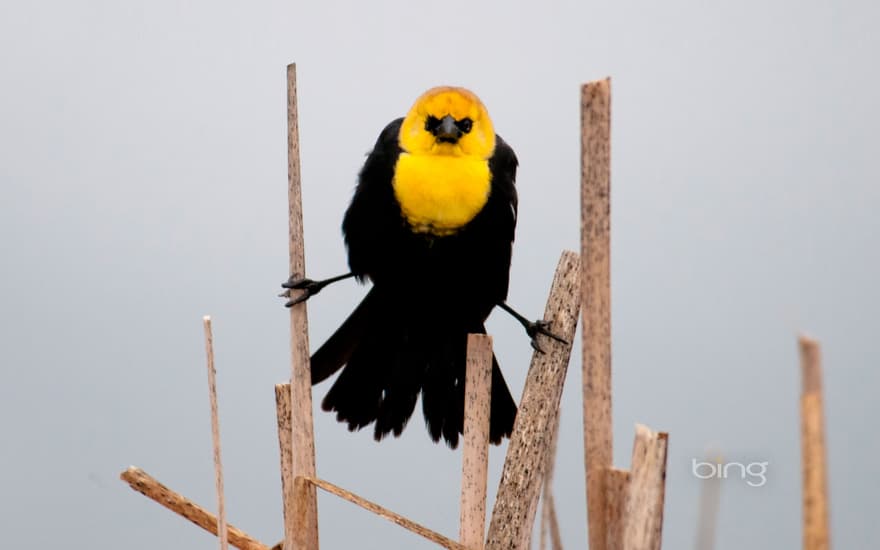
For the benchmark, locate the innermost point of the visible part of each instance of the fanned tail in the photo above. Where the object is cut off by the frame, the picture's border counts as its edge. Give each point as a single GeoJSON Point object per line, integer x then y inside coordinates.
{"type": "Point", "coordinates": [338, 349]}
{"type": "Point", "coordinates": [389, 359]}
{"type": "Point", "coordinates": [443, 394]}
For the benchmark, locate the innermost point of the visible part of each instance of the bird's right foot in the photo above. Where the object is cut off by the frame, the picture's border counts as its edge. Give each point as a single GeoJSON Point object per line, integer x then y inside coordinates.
{"type": "Point", "coordinates": [308, 286]}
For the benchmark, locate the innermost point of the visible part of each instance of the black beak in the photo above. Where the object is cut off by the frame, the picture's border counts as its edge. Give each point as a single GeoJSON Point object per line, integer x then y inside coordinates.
{"type": "Point", "coordinates": [447, 131]}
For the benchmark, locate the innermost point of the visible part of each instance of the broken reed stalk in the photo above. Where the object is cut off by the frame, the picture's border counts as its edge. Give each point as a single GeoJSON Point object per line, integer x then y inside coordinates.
{"type": "Point", "coordinates": [285, 437]}
{"type": "Point", "coordinates": [546, 498]}
{"type": "Point", "coordinates": [384, 512]}
{"type": "Point", "coordinates": [148, 486]}
{"type": "Point", "coordinates": [643, 521]}
{"type": "Point", "coordinates": [301, 484]}
{"type": "Point", "coordinates": [475, 452]}
{"type": "Point", "coordinates": [596, 298]}
{"type": "Point", "coordinates": [555, 535]}
{"type": "Point", "coordinates": [814, 458]}
{"type": "Point", "coordinates": [215, 434]}
{"type": "Point", "coordinates": [549, 523]}
{"type": "Point", "coordinates": [616, 491]}
{"type": "Point", "coordinates": [298, 490]}
{"type": "Point", "coordinates": [299, 536]}
{"type": "Point", "coordinates": [545, 521]}
{"type": "Point", "coordinates": [523, 471]}
{"type": "Point", "coordinates": [710, 498]}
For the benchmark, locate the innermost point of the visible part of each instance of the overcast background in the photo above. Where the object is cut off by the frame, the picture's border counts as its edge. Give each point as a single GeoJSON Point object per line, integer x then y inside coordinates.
{"type": "Point", "coordinates": [143, 166]}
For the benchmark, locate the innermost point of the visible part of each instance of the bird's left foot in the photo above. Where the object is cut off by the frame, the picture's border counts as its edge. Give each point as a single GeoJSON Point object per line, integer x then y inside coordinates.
{"type": "Point", "coordinates": [534, 328]}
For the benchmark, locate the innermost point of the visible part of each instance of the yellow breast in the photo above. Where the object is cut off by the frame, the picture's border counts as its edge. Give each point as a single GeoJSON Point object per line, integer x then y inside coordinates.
{"type": "Point", "coordinates": [439, 194]}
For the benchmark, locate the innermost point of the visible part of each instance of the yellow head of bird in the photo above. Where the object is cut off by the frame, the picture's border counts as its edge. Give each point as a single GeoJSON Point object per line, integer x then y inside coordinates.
{"type": "Point", "coordinates": [448, 121]}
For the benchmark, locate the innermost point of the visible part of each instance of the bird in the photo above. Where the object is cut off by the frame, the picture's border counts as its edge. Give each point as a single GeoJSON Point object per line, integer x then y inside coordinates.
{"type": "Point", "coordinates": [431, 225]}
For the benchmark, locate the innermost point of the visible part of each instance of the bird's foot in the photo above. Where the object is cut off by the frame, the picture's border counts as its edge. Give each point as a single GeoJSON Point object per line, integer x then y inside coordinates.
{"type": "Point", "coordinates": [534, 328]}
{"type": "Point", "coordinates": [308, 286]}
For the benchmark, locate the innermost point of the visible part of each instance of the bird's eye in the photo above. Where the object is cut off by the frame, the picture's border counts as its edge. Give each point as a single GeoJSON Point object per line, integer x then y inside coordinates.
{"type": "Point", "coordinates": [432, 123]}
{"type": "Point", "coordinates": [465, 125]}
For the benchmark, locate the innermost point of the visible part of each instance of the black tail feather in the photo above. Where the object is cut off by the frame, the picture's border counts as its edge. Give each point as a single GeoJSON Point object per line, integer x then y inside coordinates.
{"type": "Point", "coordinates": [401, 389]}
{"type": "Point", "coordinates": [357, 393]}
{"type": "Point", "coordinates": [338, 349]}
{"type": "Point", "coordinates": [439, 392]}
{"type": "Point", "coordinates": [443, 399]}
{"type": "Point", "coordinates": [502, 410]}
{"type": "Point", "coordinates": [388, 360]}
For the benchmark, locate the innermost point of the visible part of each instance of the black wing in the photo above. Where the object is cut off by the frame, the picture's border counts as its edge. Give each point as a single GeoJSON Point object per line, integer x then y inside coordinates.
{"type": "Point", "coordinates": [497, 221]}
{"type": "Point", "coordinates": [374, 216]}
{"type": "Point", "coordinates": [503, 167]}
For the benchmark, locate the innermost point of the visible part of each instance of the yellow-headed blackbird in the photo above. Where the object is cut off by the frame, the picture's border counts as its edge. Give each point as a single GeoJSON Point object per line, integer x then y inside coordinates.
{"type": "Point", "coordinates": [431, 224]}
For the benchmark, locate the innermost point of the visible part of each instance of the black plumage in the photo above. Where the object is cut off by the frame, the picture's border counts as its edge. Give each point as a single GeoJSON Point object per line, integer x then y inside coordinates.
{"type": "Point", "coordinates": [409, 334]}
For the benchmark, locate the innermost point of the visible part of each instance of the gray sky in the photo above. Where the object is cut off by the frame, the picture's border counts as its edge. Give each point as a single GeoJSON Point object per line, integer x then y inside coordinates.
{"type": "Point", "coordinates": [143, 170]}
